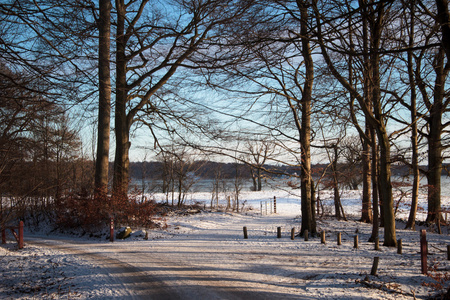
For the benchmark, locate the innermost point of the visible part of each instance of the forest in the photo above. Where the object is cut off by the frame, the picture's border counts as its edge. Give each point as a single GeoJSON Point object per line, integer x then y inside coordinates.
{"type": "Point", "coordinates": [360, 87]}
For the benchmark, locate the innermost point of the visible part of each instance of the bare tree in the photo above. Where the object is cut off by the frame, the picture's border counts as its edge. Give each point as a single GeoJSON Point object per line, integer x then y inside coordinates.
{"type": "Point", "coordinates": [259, 153]}
{"type": "Point", "coordinates": [104, 100]}
{"type": "Point", "coordinates": [152, 44]}
{"type": "Point", "coordinates": [375, 13]}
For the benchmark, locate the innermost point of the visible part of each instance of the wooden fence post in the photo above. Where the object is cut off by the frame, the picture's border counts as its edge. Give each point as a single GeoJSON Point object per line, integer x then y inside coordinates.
{"type": "Point", "coordinates": [274, 204]}
{"type": "Point", "coordinates": [278, 232]}
{"type": "Point", "coordinates": [292, 233]}
{"type": "Point", "coordinates": [339, 239]}
{"type": "Point", "coordinates": [20, 235]}
{"type": "Point", "coordinates": [322, 237]}
{"type": "Point", "coordinates": [245, 233]}
{"type": "Point", "coordinates": [448, 252]}
{"type": "Point", "coordinates": [399, 246]}
{"type": "Point", "coordinates": [423, 251]}
{"type": "Point", "coordinates": [111, 231]}
{"type": "Point", "coordinates": [373, 272]}
{"type": "Point", "coordinates": [355, 242]}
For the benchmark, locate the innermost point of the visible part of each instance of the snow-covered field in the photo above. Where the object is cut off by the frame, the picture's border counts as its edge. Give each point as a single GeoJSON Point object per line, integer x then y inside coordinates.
{"type": "Point", "coordinates": [204, 256]}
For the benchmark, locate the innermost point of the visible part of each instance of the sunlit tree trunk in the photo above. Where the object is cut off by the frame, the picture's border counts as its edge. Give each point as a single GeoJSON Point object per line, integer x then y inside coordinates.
{"type": "Point", "coordinates": [414, 143]}
{"type": "Point", "coordinates": [308, 220]}
{"type": "Point", "coordinates": [104, 105]}
{"type": "Point", "coordinates": [121, 161]}
{"type": "Point", "coordinates": [385, 186]}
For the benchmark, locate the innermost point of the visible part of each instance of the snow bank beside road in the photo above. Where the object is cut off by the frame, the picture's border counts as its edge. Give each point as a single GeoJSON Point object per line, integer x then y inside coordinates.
{"type": "Point", "coordinates": [37, 272]}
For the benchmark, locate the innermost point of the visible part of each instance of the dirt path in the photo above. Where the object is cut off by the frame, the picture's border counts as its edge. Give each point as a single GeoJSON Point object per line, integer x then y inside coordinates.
{"type": "Point", "coordinates": [177, 269]}
{"type": "Point", "coordinates": [207, 258]}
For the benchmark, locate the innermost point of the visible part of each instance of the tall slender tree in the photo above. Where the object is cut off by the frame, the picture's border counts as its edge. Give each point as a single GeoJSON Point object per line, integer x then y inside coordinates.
{"type": "Point", "coordinates": [104, 99]}
{"type": "Point", "coordinates": [376, 13]}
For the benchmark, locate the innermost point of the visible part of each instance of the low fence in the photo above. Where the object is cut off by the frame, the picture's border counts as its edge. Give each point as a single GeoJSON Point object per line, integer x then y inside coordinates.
{"type": "Point", "coordinates": [423, 244]}
{"type": "Point", "coordinates": [268, 207]}
{"type": "Point", "coordinates": [17, 235]}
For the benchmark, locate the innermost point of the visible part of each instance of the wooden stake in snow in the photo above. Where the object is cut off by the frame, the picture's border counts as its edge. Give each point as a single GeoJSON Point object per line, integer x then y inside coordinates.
{"type": "Point", "coordinates": [355, 242]}
{"type": "Point", "coordinates": [274, 204]}
{"type": "Point", "coordinates": [245, 233]}
{"type": "Point", "coordinates": [339, 240]}
{"type": "Point", "coordinates": [399, 246]}
{"type": "Point", "coordinates": [322, 237]}
{"type": "Point", "coordinates": [278, 232]}
{"type": "Point", "coordinates": [292, 233]}
{"type": "Point", "coordinates": [373, 272]}
{"type": "Point", "coordinates": [111, 231]}
{"type": "Point", "coordinates": [423, 251]}
{"type": "Point", "coordinates": [448, 252]}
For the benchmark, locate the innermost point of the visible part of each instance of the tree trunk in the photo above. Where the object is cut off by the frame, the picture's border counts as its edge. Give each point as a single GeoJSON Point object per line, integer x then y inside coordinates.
{"type": "Point", "coordinates": [121, 161]}
{"type": "Point", "coordinates": [414, 144]}
{"type": "Point", "coordinates": [374, 179]}
{"type": "Point", "coordinates": [443, 18]}
{"type": "Point", "coordinates": [258, 172]}
{"type": "Point", "coordinates": [366, 215]}
{"type": "Point", "coordinates": [366, 212]}
{"type": "Point", "coordinates": [385, 186]}
{"type": "Point", "coordinates": [308, 220]}
{"type": "Point", "coordinates": [435, 120]}
{"type": "Point", "coordinates": [434, 140]}
{"type": "Point", "coordinates": [390, 239]}
{"type": "Point", "coordinates": [416, 179]}
{"type": "Point", "coordinates": [104, 102]}
{"type": "Point", "coordinates": [434, 165]}
{"type": "Point", "coordinates": [337, 198]}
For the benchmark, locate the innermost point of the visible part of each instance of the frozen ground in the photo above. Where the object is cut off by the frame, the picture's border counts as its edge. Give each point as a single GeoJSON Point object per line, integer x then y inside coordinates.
{"type": "Point", "coordinates": [204, 256]}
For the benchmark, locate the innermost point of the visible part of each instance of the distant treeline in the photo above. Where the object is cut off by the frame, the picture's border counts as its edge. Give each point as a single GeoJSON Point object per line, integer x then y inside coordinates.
{"type": "Point", "coordinates": [203, 169]}
{"type": "Point", "coordinates": [211, 169]}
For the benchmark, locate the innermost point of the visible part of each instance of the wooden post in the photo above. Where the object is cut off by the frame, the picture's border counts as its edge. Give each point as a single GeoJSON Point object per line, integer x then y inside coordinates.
{"type": "Point", "coordinates": [111, 231]}
{"type": "Point", "coordinates": [377, 244]}
{"type": "Point", "coordinates": [245, 233]}
{"type": "Point", "coordinates": [373, 272]}
{"type": "Point", "coordinates": [274, 204]}
{"type": "Point", "coordinates": [322, 237]}
{"type": "Point", "coordinates": [339, 240]}
{"type": "Point", "coordinates": [423, 251]}
{"type": "Point", "coordinates": [278, 232]}
{"type": "Point", "coordinates": [448, 252]}
{"type": "Point", "coordinates": [399, 246]}
{"type": "Point", "coordinates": [305, 233]}
{"type": "Point", "coordinates": [292, 233]}
{"type": "Point", "coordinates": [355, 242]}
{"type": "Point", "coordinates": [20, 241]}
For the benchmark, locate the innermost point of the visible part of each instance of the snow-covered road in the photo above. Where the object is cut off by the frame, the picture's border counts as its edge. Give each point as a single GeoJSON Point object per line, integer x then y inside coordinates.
{"type": "Point", "coordinates": [204, 256]}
